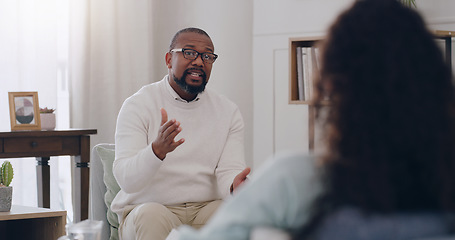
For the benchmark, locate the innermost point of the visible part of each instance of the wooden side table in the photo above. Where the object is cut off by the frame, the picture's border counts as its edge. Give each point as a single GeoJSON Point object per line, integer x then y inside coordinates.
{"type": "Point", "coordinates": [32, 223]}
{"type": "Point", "coordinates": [43, 145]}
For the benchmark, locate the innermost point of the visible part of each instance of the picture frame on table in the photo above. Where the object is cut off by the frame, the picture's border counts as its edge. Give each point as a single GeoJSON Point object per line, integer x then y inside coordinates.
{"type": "Point", "coordinates": [24, 111]}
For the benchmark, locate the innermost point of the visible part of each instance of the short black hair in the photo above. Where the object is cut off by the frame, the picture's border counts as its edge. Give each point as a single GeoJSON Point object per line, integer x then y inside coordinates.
{"type": "Point", "coordinates": [186, 30]}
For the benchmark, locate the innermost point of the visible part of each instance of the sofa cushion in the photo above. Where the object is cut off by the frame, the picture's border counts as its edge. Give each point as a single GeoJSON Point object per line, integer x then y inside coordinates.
{"type": "Point", "coordinates": [107, 157]}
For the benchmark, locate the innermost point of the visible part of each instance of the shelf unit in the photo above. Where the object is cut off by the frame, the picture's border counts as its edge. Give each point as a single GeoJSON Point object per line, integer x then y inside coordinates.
{"type": "Point", "coordinates": [23, 222]}
{"type": "Point", "coordinates": [293, 86]}
{"type": "Point", "coordinates": [293, 82]}
{"type": "Point", "coordinates": [312, 41]}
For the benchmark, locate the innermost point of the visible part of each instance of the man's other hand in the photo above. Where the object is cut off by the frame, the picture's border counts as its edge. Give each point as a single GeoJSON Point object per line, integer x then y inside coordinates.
{"type": "Point", "coordinates": [240, 178]}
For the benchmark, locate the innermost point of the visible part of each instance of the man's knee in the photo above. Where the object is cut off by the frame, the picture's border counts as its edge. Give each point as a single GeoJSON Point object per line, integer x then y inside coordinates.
{"type": "Point", "coordinates": [149, 213]}
{"type": "Point", "coordinates": [149, 221]}
{"type": "Point", "coordinates": [206, 213]}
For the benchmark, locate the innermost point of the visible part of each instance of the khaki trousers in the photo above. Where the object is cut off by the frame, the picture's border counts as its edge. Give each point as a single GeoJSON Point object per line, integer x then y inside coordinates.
{"type": "Point", "coordinates": [153, 221]}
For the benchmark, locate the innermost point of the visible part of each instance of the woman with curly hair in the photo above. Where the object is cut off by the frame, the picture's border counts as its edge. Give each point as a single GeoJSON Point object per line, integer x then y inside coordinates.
{"type": "Point", "coordinates": [390, 129]}
{"type": "Point", "coordinates": [389, 168]}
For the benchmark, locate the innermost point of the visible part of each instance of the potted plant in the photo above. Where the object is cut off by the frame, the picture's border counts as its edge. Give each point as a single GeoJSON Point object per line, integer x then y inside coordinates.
{"type": "Point", "coordinates": [6, 191]}
{"type": "Point", "coordinates": [409, 3]}
{"type": "Point", "coordinates": [47, 117]}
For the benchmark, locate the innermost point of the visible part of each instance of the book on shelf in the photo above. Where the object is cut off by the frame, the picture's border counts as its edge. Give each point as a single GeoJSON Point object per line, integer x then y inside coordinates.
{"type": "Point", "coordinates": [311, 67]}
{"type": "Point", "coordinates": [315, 67]}
{"type": "Point", "coordinates": [317, 56]}
{"type": "Point", "coordinates": [300, 84]}
{"type": "Point", "coordinates": [307, 67]}
{"type": "Point", "coordinates": [306, 71]}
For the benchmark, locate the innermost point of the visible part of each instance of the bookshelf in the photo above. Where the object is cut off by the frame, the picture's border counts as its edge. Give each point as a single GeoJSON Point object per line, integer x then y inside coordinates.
{"type": "Point", "coordinates": [295, 43]}
{"type": "Point", "coordinates": [304, 42]}
{"type": "Point", "coordinates": [294, 96]}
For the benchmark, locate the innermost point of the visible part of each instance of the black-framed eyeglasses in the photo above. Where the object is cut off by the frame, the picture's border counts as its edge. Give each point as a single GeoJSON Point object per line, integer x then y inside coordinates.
{"type": "Point", "coordinates": [191, 54]}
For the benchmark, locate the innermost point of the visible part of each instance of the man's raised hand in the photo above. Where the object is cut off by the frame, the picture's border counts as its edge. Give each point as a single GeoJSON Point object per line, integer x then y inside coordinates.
{"type": "Point", "coordinates": [164, 142]}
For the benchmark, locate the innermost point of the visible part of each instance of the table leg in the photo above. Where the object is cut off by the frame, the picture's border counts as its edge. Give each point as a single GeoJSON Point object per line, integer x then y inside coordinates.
{"type": "Point", "coordinates": [448, 52]}
{"type": "Point", "coordinates": [311, 126]}
{"type": "Point", "coordinates": [81, 181]}
{"type": "Point", "coordinates": [43, 182]}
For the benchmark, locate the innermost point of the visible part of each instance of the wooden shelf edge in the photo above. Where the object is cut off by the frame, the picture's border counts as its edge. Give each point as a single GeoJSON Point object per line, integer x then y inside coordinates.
{"type": "Point", "coordinates": [300, 39]}
{"type": "Point", "coordinates": [443, 33]}
{"type": "Point", "coordinates": [25, 212]}
{"type": "Point", "coordinates": [299, 102]}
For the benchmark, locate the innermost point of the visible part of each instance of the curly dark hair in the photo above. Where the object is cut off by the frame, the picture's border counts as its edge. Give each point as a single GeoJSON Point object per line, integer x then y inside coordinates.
{"type": "Point", "coordinates": [390, 122]}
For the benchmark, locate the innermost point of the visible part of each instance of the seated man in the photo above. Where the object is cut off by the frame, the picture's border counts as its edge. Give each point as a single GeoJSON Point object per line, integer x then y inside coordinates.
{"type": "Point", "coordinates": [167, 182]}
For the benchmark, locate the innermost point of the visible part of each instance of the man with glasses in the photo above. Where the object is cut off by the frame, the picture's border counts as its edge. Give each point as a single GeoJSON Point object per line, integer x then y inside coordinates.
{"type": "Point", "coordinates": [179, 146]}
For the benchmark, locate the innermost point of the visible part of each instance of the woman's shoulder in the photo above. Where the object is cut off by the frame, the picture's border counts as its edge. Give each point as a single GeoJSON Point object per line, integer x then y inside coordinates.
{"type": "Point", "coordinates": [292, 171]}
{"type": "Point", "coordinates": [292, 162]}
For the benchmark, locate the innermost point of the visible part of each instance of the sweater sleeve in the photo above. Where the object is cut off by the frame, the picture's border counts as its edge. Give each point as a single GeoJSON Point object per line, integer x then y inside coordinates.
{"type": "Point", "coordinates": [135, 162]}
{"type": "Point", "coordinates": [278, 196]}
{"type": "Point", "coordinates": [232, 159]}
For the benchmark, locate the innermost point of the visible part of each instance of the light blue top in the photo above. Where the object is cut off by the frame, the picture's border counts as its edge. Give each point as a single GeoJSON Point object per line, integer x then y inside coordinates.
{"type": "Point", "coordinates": [278, 195]}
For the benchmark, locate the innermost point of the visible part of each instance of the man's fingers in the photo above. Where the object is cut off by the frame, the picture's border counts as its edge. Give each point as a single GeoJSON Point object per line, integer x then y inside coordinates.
{"type": "Point", "coordinates": [171, 130]}
{"type": "Point", "coordinates": [172, 146]}
{"type": "Point", "coordinates": [178, 143]}
{"type": "Point", "coordinates": [164, 127]}
{"type": "Point", "coordinates": [244, 173]}
{"type": "Point", "coordinates": [241, 176]}
{"type": "Point", "coordinates": [163, 116]}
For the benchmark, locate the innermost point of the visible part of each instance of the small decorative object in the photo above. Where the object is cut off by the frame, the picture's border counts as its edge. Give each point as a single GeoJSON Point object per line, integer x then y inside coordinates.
{"type": "Point", "coordinates": [24, 111]}
{"type": "Point", "coordinates": [6, 191]}
{"type": "Point", "coordinates": [47, 116]}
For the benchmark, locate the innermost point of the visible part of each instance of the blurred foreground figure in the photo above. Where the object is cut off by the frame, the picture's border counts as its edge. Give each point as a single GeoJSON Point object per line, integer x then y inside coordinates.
{"type": "Point", "coordinates": [388, 172]}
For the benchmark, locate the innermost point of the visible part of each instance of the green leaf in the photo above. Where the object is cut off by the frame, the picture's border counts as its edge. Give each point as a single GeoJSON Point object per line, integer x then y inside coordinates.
{"type": "Point", "coordinates": [409, 3]}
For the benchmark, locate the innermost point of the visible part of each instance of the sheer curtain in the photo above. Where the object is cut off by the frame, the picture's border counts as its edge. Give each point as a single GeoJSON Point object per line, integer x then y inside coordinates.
{"type": "Point", "coordinates": [33, 57]}
{"type": "Point", "coordinates": [110, 49]}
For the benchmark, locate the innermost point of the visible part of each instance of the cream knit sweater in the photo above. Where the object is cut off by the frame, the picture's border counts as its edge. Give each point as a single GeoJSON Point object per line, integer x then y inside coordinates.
{"type": "Point", "coordinates": [201, 169]}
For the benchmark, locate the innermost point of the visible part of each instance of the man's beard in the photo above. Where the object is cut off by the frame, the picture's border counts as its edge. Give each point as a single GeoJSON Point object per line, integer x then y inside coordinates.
{"type": "Point", "coordinates": [190, 89]}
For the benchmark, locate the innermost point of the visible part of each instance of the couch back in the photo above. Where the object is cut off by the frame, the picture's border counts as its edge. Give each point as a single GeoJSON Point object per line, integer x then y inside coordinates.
{"type": "Point", "coordinates": [103, 188]}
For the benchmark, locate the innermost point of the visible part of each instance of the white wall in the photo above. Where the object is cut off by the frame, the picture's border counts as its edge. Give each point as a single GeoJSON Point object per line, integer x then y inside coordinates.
{"type": "Point", "coordinates": [279, 126]}
{"type": "Point", "coordinates": [439, 15]}
{"type": "Point", "coordinates": [437, 11]}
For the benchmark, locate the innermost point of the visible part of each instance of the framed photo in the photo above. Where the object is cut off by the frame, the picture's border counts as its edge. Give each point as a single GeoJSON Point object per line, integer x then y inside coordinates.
{"type": "Point", "coordinates": [24, 111]}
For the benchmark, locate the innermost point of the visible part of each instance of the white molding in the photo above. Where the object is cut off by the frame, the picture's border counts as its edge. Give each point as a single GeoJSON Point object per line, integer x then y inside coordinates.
{"type": "Point", "coordinates": [274, 94]}
{"type": "Point", "coordinates": [290, 34]}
